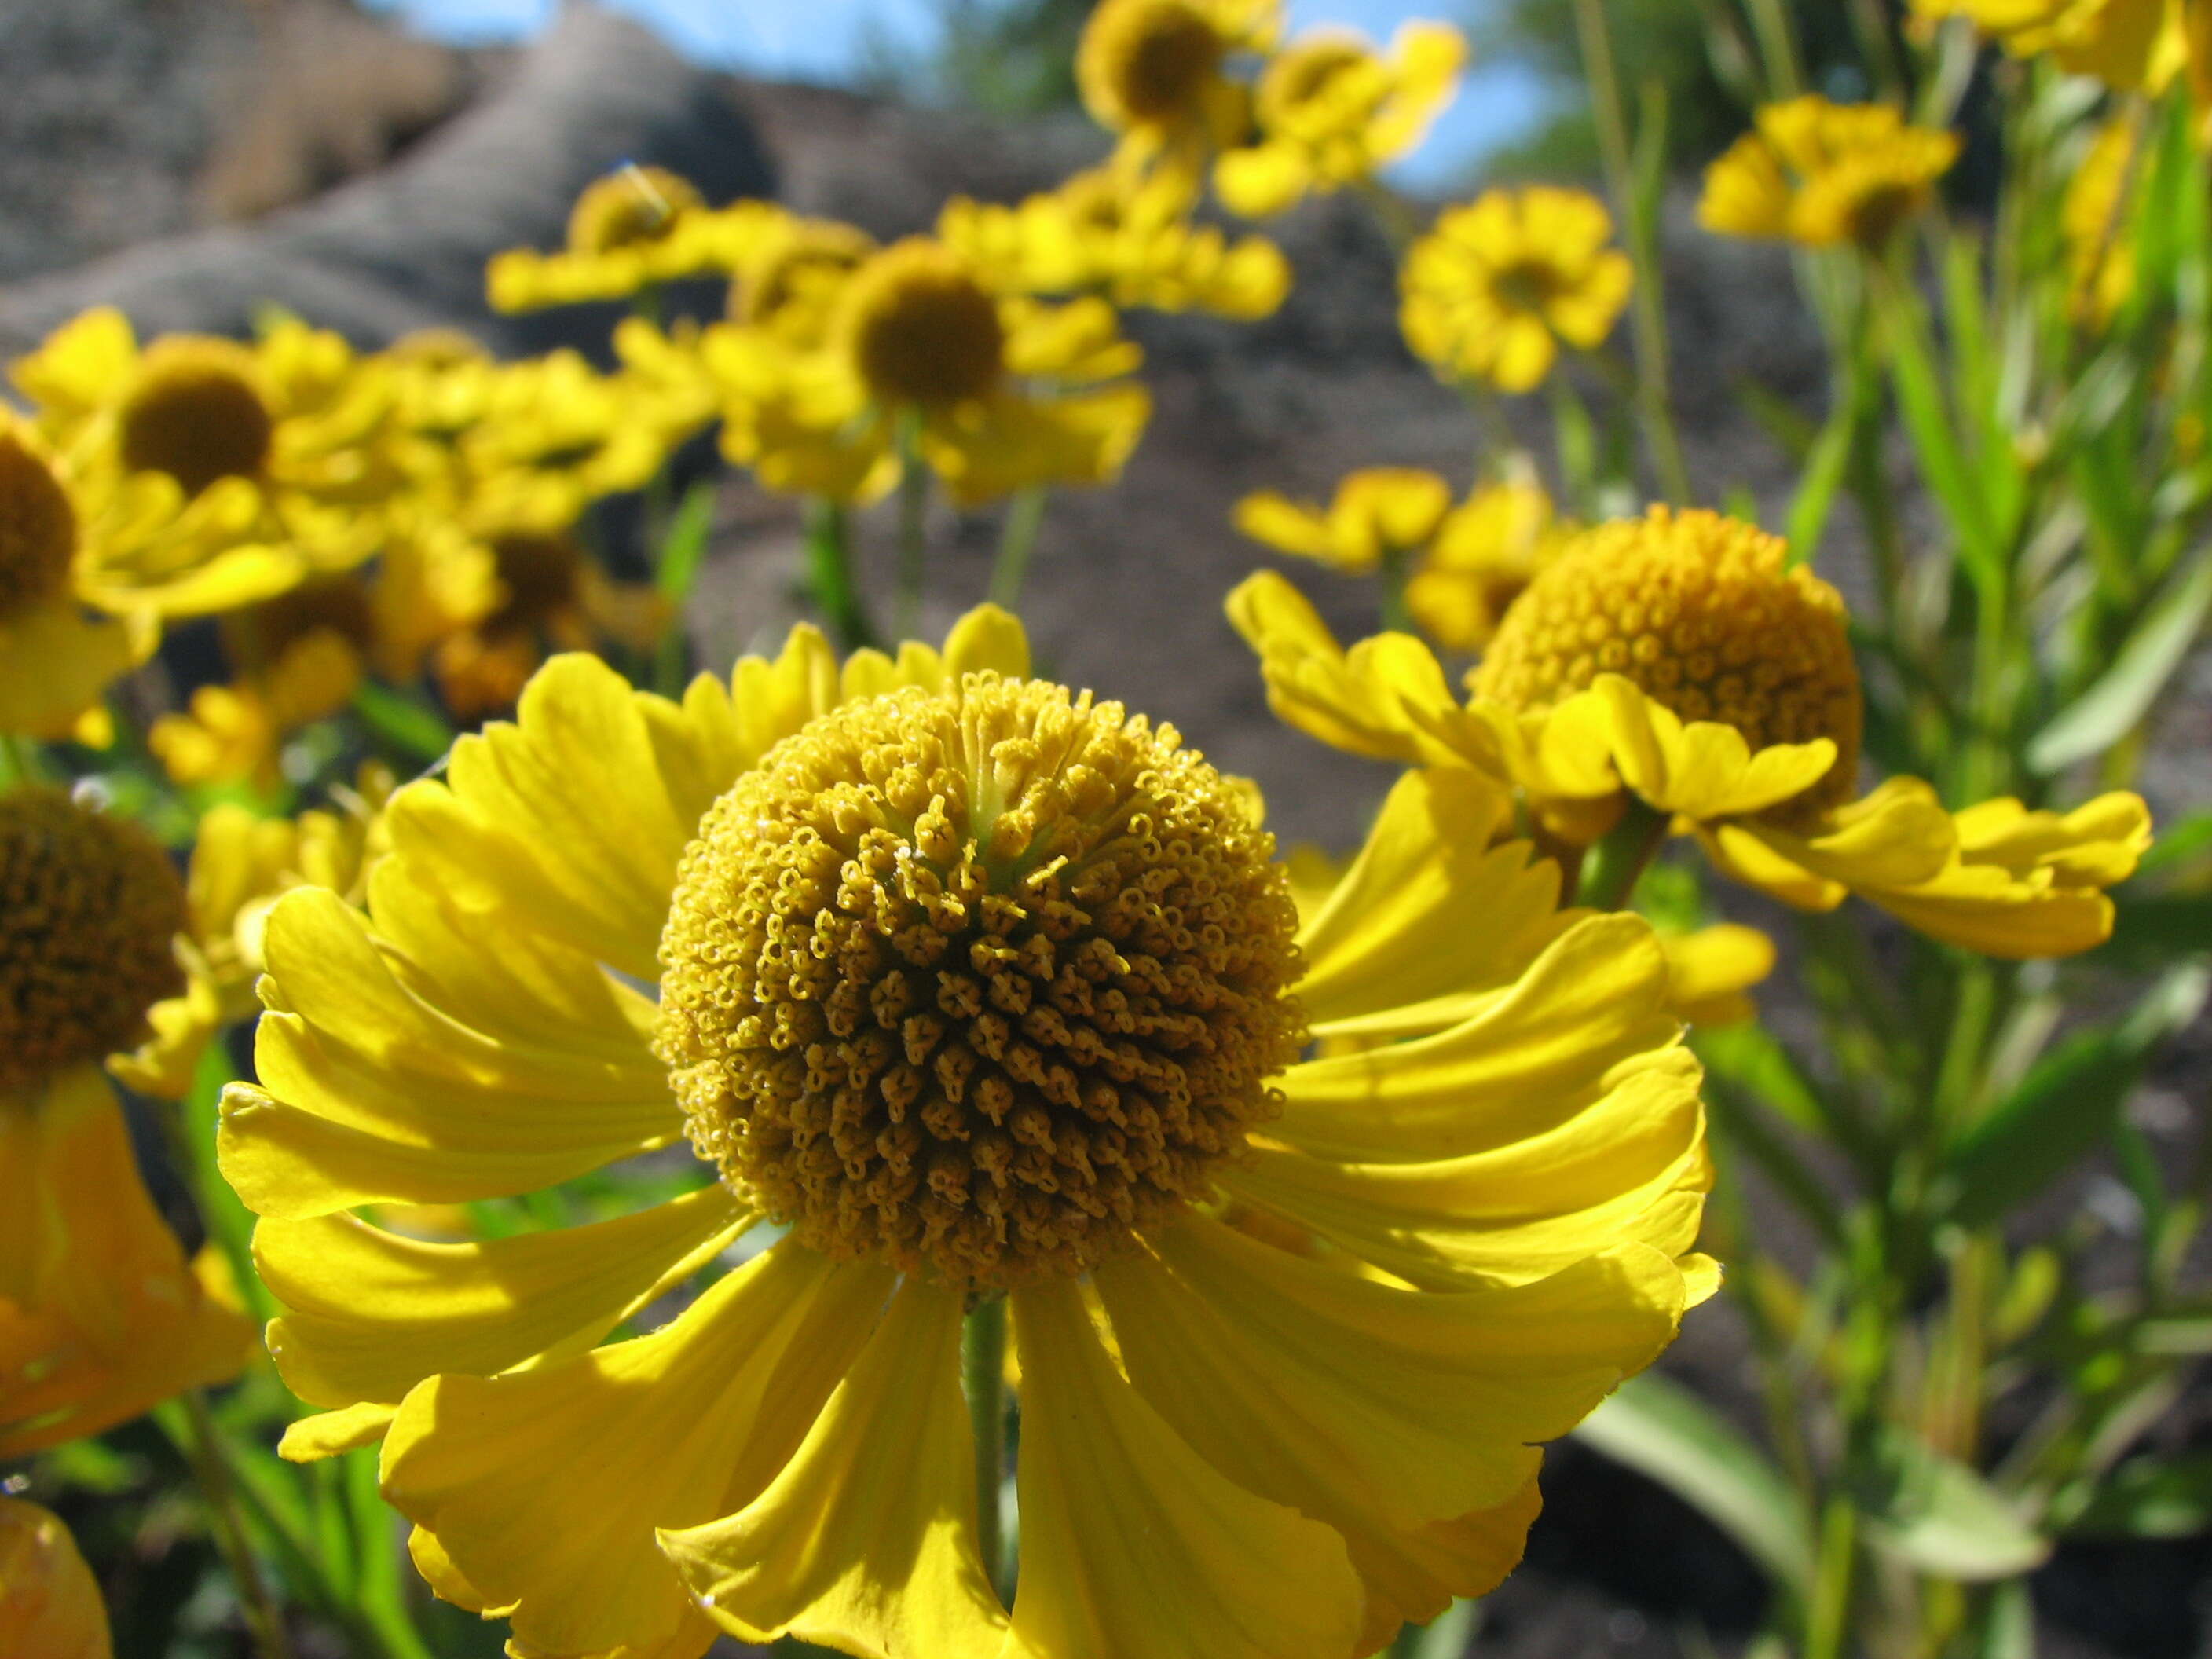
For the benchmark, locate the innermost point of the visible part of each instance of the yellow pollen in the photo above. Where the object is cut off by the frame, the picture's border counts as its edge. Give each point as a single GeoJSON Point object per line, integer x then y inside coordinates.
{"type": "Point", "coordinates": [1700, 613]}
{"type": "Point", "coordinates": [1148, 63]}
{"type": "Point", "coordinates": [978, 982]}
{"type": "Point", "coordinates": [37, 530]}
{"type": "Point", "coordinates": [629, 208]}
{"type": "Point", "coordinates": [196, 414]}
{"type": "Point", "coordinates": [89, 909]}
{"type": "Point", "coordinates": [921, 329]}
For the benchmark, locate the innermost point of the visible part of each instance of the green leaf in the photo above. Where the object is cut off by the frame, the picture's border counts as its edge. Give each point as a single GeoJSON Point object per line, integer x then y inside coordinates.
{"type": "Point", "coordinates": [2123, 695]}
{"type": "Point", "coordinates": [2176, 843]}
{"type": "Point", "coordinates": [2150, 1497]}
{"type": "Point", "coordinates": [2062, 1108]}
{"type": "Point", "coordinates": [2153, 930]}
{"type": "Point", "coordinates": [684, 548]}
{"type": "Point", "coordinates": [1824, 468]}
{"type": "Point", "coordinates": [1662, 1430]}
{"type": "Point", "coordinates": [1939, 1516]}
{"type": "Point", "coordinates": [408, 724]}
{"type": "Point", "coordinates": [1951, 479]}
{"type": "Point", "coordinates": [2008, 1625]}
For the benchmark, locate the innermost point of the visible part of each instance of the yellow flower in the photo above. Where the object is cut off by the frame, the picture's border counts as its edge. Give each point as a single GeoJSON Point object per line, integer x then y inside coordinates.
{"type": "Point", "coordinates": [920, 343]}
{"type": "Point", "coordinates": [976, 987]}
{"type": "Point", "coordinates": [1380, 515]}
{"type": "Point", "coordinates": [1819, 174]}
{"type": "Point", "coordinates": [2131, 46]}
{"type": "Point", "coordinates": [1711, 970]}
{"type": "Point", "coordinates": [1124, 235]}
{"type": "Point", "coordinates": [636, 226]}
{"type": "Point", "coordinates": [791, 278]}
{"type": "Point", "coordinates": [242, 863]}
{"type": "Point", "coordinates": [49, 1606]}
{"type": "Point", "coordinates": [2098, 224]}
{"type": "Point", "coordinates": [1494, 289]}
{"type": "Point", "coordinates": [1152, 71]}
{"type": "Point", "coordinates": [1675, 659]}
{"type": "Point", "coordinates": [100, 1316]}
{"type": "Point", "coordinates": [1486, 552]}
{"type": "Point", "coordinates": [553, 435]}
{"type": "Point", "coordinates": [1332, 111]}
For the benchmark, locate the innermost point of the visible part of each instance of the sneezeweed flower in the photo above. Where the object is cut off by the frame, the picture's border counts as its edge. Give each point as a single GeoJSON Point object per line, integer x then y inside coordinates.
{"type": "Point", "coordinates": [1125, 236]}
{"type": "Point", "coordinates": [1493, 291]}
{"type": "Point", "coordinates": [1380, 517]}
{"type": "Point", "coordinates": [995, 393]}
{"type": "Point", "coordinates": [1153, 71]}
{"type": "Point", "coordinates": [634, 228]}
{"type": "Point", "coordinates": [2098, 225]}
{"type": "Point", "coordinates": [1710, 973]}
{"type": "Point", "coordinates": [1332, 111]}
{"type": "Point", "coordinates": [790, 278]}
{"type": "Point", "coordinates": [978, 988]}
{"type": "Point", "coordinates": [241, 864]}
{"type": "Point", "coordinates": [49, 1606]}
{"type": "Point", "coordinates": [2131, 46]}
{"type": "Point", "coordinates": [100, 1315]}
{"type": "Point", "coordinates": [1486, 553]}
{"type": "Point", "coordinates": [1823, 175]}
{"type": "Point", "coordinates": [1676, 661]}
{"type": "Point", "coordinates": [553, 435]}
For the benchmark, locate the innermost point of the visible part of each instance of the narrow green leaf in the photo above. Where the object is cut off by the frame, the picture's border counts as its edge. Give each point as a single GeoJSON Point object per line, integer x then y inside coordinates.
{"type": "Point", "coordinates": [2123, 695]}
{"type": "Point", "coordinates": [1825, 469]}
{"type": "Point", "coordinates": [2150, 1497]}
{"type": "Point", "coordinates": [2008, 1624]}
{"type": "Point", "coordinates": [2062, 1108]}
{"type": "Point", "coordinates": [2176, 843]}
{"type": "Point", "coordinates": [1928, 422]}
{"type": "Point", "coordinates": [1662, 1430]}
{"type": "Point", "coordinates": [683, 549]}
{"type": "Point", "coordinates": [408, 724]}
{"type": "Point", "coordinates": [1938, 1516]}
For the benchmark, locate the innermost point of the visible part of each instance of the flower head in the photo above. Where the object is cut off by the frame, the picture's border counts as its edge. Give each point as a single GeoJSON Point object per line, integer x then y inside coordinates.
{"type": "Point", "coordinates": [634, 228]}
{"type": "Point", "coordinates": [978, 986]}
{"type": "Point", "coordinates": [1822, 174]}
{"type": "Point", "coordinates": [1379, 514]}
{"type": "Point", "coordinates": [1151, 70]}
{"type": "Point", "coordinates": [1497, 286]}
{"type": "Point", "coordinates": [1676, 659]}
{"type": "Point", "coordinates": [2131, 46]}
{"type": "Point", "coordinates": [48, 1601]}
{"type": "Point", "coordinates": [921, 329]}
{"type": "Point", "coordinates": [1332, 111]}
{"type": "Point", "coordinates": [1486, 552]}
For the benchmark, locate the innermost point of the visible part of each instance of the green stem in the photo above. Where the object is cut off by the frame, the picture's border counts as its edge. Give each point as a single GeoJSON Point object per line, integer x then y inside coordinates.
{"type": "Point", "coordinates": [983, 1374]}
{"type": "Point", "coordinates": [202, 1446]}
{"type": "Point", "coordinates": [1647, 314]}
{"type": "Point", "coordinates": [830, 575]}
{"type": "Point", "coordinates": [19, 761]}
{"type": "Point", "coordinates": [1024, 517]}
{"type": "Point", "coordinates": [1827, 1622]}
{"type": "Point", "coordinates": [1611, 868]}
{"type": "Point", "coordinates": [1396, 566]}
{"type": "Point", "coordinates": [913, 503]}
{"type": "Point", "coordinates": [1771, 22]}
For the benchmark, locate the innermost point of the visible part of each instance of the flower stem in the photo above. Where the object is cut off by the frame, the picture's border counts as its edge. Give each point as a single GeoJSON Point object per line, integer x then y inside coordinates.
{"type": "Point", "coordinates": [983, 1375]}
{"type": "Point", "coordinates": [1025, 515]}
{"type": "Point", "coordinates": [913, 500]}
{"type": "Point", "coordinates": [830, 575]}
{"type": "Point", "coordinates": [1611, 868]}
{"type": "Point", "coordinates": [204, 1447]}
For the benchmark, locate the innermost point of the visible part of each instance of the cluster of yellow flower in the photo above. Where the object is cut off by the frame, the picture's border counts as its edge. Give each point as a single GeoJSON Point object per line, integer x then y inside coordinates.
{"type": "Point", "coordinates": [1315, 1196]}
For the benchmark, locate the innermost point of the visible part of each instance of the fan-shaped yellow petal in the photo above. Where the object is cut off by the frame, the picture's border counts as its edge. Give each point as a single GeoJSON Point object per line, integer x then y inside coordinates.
{"type": "Point", "coordinates": [49, 1606]}
{"type": "Point", "coordinates": [1703, 770]}
{"type": "Point", "coordinates": [866, 1543]}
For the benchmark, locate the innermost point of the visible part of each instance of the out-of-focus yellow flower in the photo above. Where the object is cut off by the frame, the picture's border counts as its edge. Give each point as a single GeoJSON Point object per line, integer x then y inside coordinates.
{"type": "Point", "coordinates": [1152, 71]}
{"type": "Point", "coordinates": [1677, 660]}
{"type": "Point", "coordinates": [281, 446]}
{"type": "Point", "coordinates": [100, 1316]}
{"type": "Point", "coordinates": [1491, 292]}
{"type": "Point", "coordinates": [636, 226]}
{"type": "Point", "coordinates": [1123, 235]}
{"type": "Point", "coordinates": [1379, 515]}
{"type": "Point", "coordinates": [921, 344]}
{"type": "Point", "coordinates": [1332, 111]}
{"type": "Point", "coordinates": [1302, 1455]}
{"type": "Point", "coordinates": [1821, 174]}
{"type": "Point", "coordinates": [2097, 223]}
{"type": "Point", "coordinates": [2131, 46]}
{"type": "Point", "coordinates": [49, 1606]}
{"type": "Point", "coordinates": [790, 280]}
{"type": "Point", "coordinates": [1486, 552]}
{"type": "Point", "coordinates": [553, 436]}
{"type": "Point", "coordinates": [1710, 973]}
{"type": "Point", "coordinates": [550, 593]}
{"type": "Point", "coordinates": [241, 864]}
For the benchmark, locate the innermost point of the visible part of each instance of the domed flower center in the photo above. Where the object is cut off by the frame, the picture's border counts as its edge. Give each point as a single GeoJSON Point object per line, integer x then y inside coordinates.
{"type": "Point", "coordinates": [1148, 63]}
{"type": "Point", "coordinates": [977, 982]}
{"type": "Point", "coordinates": [1700, 613]}
{"type": "Point", "coordinates": [542, 576]}
{"type": "Point", "coordinates": [196, 414]}
{"type": "Point", "coordinates": [89, 908]}
{"type": "Point", "coordinates": [37, 530]}
{"type": "Point", "coordinates": [1529, 284]}
{"type": "Point", "coordinates": [921, 329]}
{"type": "Point", "coordinates": [628, 209]}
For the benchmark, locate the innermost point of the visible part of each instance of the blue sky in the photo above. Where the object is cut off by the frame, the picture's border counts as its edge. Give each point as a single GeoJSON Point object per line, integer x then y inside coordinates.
{"type": "Point", "coordinates": [821, 40]}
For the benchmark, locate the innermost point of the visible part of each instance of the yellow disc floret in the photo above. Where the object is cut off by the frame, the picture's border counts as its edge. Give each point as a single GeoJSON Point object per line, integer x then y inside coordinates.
{"type": "Point", "coordinates": [921, 329]}
{"type": "Point", "coordinates": [197, 413]}
{"type": "Point", "coordinates": [1148, 63]}
{"type": "Point", "coordinates": [1700, 613]}
{"type": "Point", "coordinates": [977, 982]}
{"type": "Point", "coordinates": [37, 530]}
{"type": "Point", "coordinates": [633, 205]}
{"type": "Point", "coordinates": [89, 909]}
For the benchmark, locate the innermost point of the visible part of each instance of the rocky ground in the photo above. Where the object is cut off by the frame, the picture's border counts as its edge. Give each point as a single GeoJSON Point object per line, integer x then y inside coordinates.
{"type": "Point", "coordinates": [367, 201]}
